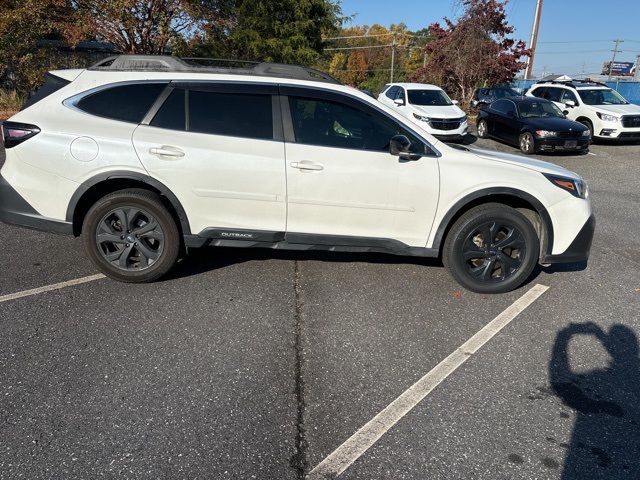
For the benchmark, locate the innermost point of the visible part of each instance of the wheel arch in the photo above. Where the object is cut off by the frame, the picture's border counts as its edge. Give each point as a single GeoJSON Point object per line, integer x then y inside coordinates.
{"type": "Point", "coordinates": [518, 199]}
{"type": "Point", "coordinates": [100, 185]}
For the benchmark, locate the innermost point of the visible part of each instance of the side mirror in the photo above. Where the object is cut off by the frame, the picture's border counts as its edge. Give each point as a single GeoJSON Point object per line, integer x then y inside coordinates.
{"type": "Point", "coordinates": [565, 112]}
{"type": "Point", "coordinates": [400, 146]}
{"type": "Point", "coordinates": [399, 102]}
{"type": "Point", "coordinates": [570, 103]}
{"type": "Point", "coordinates": [455, 102]}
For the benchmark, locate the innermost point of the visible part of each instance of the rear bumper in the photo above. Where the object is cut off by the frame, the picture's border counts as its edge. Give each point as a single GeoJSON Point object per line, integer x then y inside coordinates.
{"type": "Point", "coordinates": [15, 210]}
{"type": "Point", "coordinates": [579, 249]}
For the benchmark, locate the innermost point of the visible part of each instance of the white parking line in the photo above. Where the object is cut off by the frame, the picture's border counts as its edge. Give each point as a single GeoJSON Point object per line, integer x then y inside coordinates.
{"type": "Point", "coordinates": [347, 453]}
{"type": "Point", "coordinates": [591, 153]}
{"type": "Point", "coordinates": [48, 288]}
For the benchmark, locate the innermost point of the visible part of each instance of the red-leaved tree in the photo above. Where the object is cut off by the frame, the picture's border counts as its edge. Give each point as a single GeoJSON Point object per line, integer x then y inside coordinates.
{"type": "Point", "coordinates": [473, 51]}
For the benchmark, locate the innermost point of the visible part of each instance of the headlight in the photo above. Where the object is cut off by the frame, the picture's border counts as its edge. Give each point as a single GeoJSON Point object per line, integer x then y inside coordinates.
{"type": "Point", "coordinates": [576, 187]}
{"type": "Point", "coordinates": [420, 117]}
{"type": "Point", "coordinates": [546, 133]}
{"type": "Point", "coordinates": [586, 133]}
{"type": "Point", "coordinates": [607, 118]}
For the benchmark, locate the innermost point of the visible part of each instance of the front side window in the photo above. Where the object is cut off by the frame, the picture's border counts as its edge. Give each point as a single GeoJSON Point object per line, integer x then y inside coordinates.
{"type": "Point", "coordinates": [505, 92]}
{"type": "Point", "coordinates": [539, 109]}
{"type": "Point", "coordinates": [601, 96]}
{"type": "Point", "coordinates": [434, 98]}
{"type": "Point", "coordinates": [234, 114]}
{"type": "Point", "coordinates": [539, 92]}
{"type": "Point", "coordinates": [400, 94]}
{"type": "Point", "coordinates": [568, 95]}
{"type": "Point", "coordinates": [391, 93]}
{"type": "Point", "coordinates": [332, 124]}
{"type": "Point", "coordinates": [501, 106]}
{"type": "Point", "coordinates": [127, 103]}
{"type": "Point", "coordinates": [553, 94]}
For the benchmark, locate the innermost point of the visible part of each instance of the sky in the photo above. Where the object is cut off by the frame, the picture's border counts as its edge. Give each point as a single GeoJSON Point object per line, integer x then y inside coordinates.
{"type": "Point", "coordinates": [576, 36]}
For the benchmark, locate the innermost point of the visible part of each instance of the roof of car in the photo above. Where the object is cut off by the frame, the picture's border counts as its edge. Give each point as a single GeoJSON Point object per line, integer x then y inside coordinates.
{"type": "Point", "coordinates": [416, 86]}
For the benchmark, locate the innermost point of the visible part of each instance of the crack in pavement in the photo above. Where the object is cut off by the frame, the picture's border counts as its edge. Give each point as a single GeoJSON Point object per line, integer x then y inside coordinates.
{"type": "Point", "coordinates": [299, 459]}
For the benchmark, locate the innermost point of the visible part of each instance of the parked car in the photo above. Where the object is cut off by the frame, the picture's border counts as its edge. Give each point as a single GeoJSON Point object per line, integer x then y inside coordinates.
{"type": "Point", "coordinates": [143, 156]}
{"type": "Point", "coordinates": [601, 109]}
{"type": "Point", "coordinates": [429, 107]}
{"type": "Point", "coordinates": [484, 96]}
{"type": "Point", "coordinates": [533, 124]}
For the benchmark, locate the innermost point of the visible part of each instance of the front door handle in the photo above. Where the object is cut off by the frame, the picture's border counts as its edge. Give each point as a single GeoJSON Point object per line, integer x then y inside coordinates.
{"type": "Point", "coordinates": [167, 151]}
{"type": "Point", "coordinates": [306, 165]}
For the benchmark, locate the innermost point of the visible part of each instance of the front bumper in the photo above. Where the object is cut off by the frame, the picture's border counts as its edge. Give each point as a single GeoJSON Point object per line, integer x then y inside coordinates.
{"type": "Point", "coordinates": [579, 249]}
{"type": "Point", "coordinates": [15, 210]}
{"type": "Point", "coordinates": [561, 144]}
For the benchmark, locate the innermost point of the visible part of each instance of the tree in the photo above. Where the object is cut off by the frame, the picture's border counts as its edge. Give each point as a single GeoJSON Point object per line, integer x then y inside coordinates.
{"type": "Point", "coordinates": [287, 31]}
{"type": "Point", "coordinates": [23, 23]}
{"type": "Point", "coordinates": [473, 51]}
{"type": "Point", "coordinates": [145, 26]}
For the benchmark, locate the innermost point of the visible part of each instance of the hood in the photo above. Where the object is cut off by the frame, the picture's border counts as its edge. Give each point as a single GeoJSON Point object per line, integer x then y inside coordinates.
{"type": "Point", "coordinates": [619, 109]}
{"type": "Point", "coordinates": [530, 163]}
{"type": "Point", "coordinates": [554, 124]}
{"type": "Point", "coordinates": [446, 111]}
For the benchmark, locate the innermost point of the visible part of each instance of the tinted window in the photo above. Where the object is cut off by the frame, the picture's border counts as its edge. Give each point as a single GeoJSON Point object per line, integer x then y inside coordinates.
{"type": "Point", "coordinates": [434, 98]}
{"type": "Point", "coordinates": [51, 84]}
{"type": "Point", "coordinates": [553, 94]}
{"type": "Point", "coordinates": [234, 114]}
{"type": "Point", "coordinates": [539, 92]}
{"type": "Point", "coordinates": [171, 115]}
{"type": "Point", "coordinates": [391, 93]}
{"type": "Point", "coordinates": [332, 124]}
{"type": "Point", "coordinates": [501, 106]}
{"type": "Point", "coordinates": [128, 103]}
{"type": "Point", "coordinates": [568, 95]}
{"type": "Point", "coordinates": [400, 94]}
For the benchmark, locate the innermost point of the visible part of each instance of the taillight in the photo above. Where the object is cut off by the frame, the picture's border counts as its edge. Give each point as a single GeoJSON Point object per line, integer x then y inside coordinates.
{"type": "Point", "coordinates": [14, 133]}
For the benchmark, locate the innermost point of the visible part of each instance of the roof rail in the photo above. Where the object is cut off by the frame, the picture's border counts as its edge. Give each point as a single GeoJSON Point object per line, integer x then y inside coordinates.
{"type": "Point", "coordinates": [573, 82]}
{"type": "Point", "coordinates": [167, 63]}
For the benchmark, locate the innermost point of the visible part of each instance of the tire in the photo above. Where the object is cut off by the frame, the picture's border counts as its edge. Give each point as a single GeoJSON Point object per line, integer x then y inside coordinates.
{"type": "Point", "coordinates": [142, 252]}
{"type": "Point", "coordinates": [500, 265]}
{"type": "Point", "coordinates": [589, 125]}
{"type": "Point", "coordinates": [527, 143]}
{"type": "Point", "coordinates": [483, 129]}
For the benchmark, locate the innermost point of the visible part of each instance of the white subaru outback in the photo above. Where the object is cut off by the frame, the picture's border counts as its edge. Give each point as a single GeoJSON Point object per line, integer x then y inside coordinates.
{"type": "Point", "coordinates": [145, 157]}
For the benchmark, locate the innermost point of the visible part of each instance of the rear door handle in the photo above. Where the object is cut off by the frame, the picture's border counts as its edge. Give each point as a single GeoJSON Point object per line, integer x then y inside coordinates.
{"type": "Point", "coordinates": [167, 151]}
{"type": "Point", "coordinates": [306, 165]}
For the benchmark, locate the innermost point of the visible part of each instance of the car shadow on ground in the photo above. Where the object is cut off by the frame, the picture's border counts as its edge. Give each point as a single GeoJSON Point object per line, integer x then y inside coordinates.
{"type": "Point", "coordinates": [605, 443]}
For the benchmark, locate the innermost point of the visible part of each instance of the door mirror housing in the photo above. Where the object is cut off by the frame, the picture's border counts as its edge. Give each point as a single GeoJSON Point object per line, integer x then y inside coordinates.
{"type": "Point", "coordinates": [400, 146]}
{"type": "Point", "coordinates": [570, 103]}
{"type": "Point", "coordinates": [455, 102]}
{"type": "Point", "coordinates": [399, 102]}
{"type": "Point", "coordinates": [565, 112]}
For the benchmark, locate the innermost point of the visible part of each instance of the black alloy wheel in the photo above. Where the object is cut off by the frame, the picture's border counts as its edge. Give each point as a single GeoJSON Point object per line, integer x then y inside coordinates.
{"type": "Point", "coordinates": [492, 248]}
{"type": "Point", "coordinates": [131, 236]}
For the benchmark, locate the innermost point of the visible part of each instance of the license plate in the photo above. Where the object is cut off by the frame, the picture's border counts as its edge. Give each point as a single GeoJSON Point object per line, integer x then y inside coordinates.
{"type": "Point", "coordinates": [571, 144]}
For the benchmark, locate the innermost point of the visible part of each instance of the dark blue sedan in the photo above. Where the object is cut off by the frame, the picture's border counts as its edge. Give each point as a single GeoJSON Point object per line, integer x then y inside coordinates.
{"type": "Point", "coordinates": [533, 124]}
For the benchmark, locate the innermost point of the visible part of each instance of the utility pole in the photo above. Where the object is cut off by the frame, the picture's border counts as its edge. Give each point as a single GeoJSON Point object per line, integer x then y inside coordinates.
{"type": "Point", "coordinates": [613, 58]}
{"type": "Point", "coordinates": [393, 57]}
{"type": "Point", "coordinates": [534, 40]}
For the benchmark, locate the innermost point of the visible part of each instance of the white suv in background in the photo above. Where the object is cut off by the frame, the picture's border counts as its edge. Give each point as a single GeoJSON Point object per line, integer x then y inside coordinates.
{"type": "Point", "coordinates": [601, 109]}
{"type": "Point", "coordinates": [146, 156]}
{"type": "Point", "coordinates": [427, 106]}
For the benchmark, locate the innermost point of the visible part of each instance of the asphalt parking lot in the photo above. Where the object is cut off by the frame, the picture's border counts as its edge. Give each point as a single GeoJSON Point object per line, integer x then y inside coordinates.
{"type": "Point", "coordinates": [260, 364]}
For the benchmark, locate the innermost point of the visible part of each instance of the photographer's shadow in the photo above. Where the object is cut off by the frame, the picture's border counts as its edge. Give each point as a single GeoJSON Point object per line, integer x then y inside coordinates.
{"type": "Point", "coordinates": [605, 442]}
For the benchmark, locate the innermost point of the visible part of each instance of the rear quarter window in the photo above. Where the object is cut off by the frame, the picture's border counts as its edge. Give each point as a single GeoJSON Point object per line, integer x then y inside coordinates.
{"type": "Point", "coordinates": [51, 85]}
{"type": "Point", "coordinates": [127, 103]}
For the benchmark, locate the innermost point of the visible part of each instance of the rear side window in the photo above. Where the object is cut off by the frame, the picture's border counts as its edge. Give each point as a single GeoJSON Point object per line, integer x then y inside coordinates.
{"type": "Point", "coordinates": [51, 84]}
{"type": "Point", "coordinates": [233, 114]}
{"type": "Point", "coordinates": [128, 103]}
{"type": "Point", "coordinates": [539, 92]}
{"type": "Point", "coordinates": [172, 112]}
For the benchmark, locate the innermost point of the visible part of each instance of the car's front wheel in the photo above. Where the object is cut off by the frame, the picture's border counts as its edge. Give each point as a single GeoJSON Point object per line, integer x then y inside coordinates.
{"type": "Point", "coordinates": [483, 129]}
{"type": "Point", "coordinates": [131, 236]}
{"type": "Point", "coordinates": [492, 248]}
{"type": "Point", "coordinates": [527, 143]}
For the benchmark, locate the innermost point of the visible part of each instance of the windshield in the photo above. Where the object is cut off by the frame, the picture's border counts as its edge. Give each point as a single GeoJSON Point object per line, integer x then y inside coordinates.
{"type": "Point", "coordinates": [539, 110]}
{"type": "Point", "coordinates": [601, 96]}
{"type": "Point", "coordinates": [429, 97]}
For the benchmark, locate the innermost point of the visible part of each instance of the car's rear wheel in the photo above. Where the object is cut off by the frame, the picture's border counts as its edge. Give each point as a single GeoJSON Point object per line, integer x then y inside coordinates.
{"type": "Point", "coordinates": [483, 129]}
{"type": "Point", "coordinates": [131, 236]}
{"type": "Point", "coordinates": [527, 143]}
{"type": "Point", "coordinates": [492, 248]}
